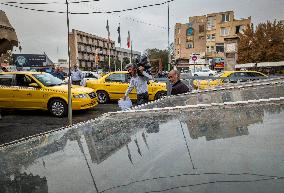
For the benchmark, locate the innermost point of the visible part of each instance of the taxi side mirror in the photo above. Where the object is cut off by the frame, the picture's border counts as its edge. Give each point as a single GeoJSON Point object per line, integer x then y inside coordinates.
{"type": "Point", "coordinates": [35, 85]}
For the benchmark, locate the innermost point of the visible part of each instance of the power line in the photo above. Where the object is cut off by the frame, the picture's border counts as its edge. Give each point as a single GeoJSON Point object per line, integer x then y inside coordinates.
{"type": "Point", "coordinates": [87, 13]}
{"type": "Point", "coordinates": [47, 3]}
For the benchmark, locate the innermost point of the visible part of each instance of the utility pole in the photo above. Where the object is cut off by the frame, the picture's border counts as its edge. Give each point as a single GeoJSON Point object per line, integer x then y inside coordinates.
{"type": "Point", "coordinates": [69, 71]}
{"type": "Point", "coordinates": [169, 50]}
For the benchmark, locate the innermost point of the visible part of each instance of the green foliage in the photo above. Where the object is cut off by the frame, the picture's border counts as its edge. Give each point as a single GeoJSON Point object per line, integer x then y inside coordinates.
{"type": "Point", "coordinates": [264, 44]}
{"type": "Point", "coordinates": [156, 54]}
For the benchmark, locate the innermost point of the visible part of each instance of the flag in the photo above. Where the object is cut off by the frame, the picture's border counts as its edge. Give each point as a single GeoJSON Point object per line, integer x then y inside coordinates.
{"type": "Point", "coordinates": [128, 40]}
{"type": "Point", "coordinates": [107, 27]}
{"type": "Point", "coordinates": [118, 30]}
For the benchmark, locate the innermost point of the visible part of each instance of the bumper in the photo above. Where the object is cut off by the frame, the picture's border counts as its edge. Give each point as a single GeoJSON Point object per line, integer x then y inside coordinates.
{"type": "Point", "coordinates": [84, 104]}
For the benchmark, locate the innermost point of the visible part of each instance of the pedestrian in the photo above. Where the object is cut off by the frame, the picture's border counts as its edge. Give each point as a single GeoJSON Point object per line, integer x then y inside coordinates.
{"type": "Point", "coordinates": [58, 74]}
{"type": "Point", "coordinates": [178, 87]}
{"type": "Point", "coordinates": [76, 75]}
{"type": "Point", "coordinates": [139, 80]}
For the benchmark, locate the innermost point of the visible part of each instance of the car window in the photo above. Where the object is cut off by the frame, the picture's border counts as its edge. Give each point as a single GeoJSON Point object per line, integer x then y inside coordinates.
{"type": "Point", "coordinates": [6, 79]}
{"type": "Point", "coordinates": [23, 80]}
{"type": "Point", "coordinates": [116, 78]}
{"type": "Point", "coordinates": [48, 80]}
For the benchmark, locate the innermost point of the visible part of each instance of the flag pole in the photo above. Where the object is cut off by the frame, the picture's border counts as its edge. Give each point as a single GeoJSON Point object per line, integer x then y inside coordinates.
{"type": "Point", "coordinates": [109, 55]}
{"type": "Point", "coordinates": [131, 52]}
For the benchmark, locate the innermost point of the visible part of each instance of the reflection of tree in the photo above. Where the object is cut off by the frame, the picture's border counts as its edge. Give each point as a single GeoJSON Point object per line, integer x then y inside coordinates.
{"type": "Point", "coordinates": [25, 183]}
{"type": "Point", "coordinates": [225, 123]}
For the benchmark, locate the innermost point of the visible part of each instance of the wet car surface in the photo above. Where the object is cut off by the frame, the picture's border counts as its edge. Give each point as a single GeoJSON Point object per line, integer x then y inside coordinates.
{"type": "Point", "coordinates": [238, 148]}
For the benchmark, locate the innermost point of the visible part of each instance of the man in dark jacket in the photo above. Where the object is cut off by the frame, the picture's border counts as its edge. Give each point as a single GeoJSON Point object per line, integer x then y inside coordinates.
{"type": "Point", "coordinates": [178, 87]}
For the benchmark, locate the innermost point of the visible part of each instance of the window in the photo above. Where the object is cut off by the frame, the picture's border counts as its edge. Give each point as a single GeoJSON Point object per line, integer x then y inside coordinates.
{"type": "Point", "coordinates": [6, 79]}
{"type": "Point", "coordinates": [212, 49]}
{"type": "Point", "coordinates": [178, 40]}
{"type": "Point", "coordinates": [224, 31]}
{"type": "Point", "coordinates": [189, 32]}
{"type": "Point", "coordinates": [201, 29]}
{"type": "Point", "coordinates": [190, 45]}
{"type": "Point", "coordinates": [211, 37]}
{"type": "Point", "coordinates": [240, 29]}
{"type": "Point", "coordinates": [24, 80]}
{"type": "Point", "coordinates": [178, 30]}
{"type": "Point", "coordinates": [225, 17]}
{"type": "Point", "coordinates": [210, 23]}
{"type": "Point", "coordinates": [116, 78]}
{"type": "Point", "coordinates": [220, 47]}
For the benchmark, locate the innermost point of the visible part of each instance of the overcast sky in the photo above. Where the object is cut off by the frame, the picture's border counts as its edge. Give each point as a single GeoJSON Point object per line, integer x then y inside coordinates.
{"type": "Point", "coordinates": [40, 32]}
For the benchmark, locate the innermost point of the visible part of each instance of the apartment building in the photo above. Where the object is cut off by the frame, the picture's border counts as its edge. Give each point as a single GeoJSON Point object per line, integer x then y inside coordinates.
{"type": "Point", "coordinates": [88, 50]}
{"type": "Point", "coordinates": [210, 36]}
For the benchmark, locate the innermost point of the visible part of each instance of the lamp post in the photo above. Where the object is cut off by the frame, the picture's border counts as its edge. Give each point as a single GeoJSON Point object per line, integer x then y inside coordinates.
{"type": "Point", "coordinates": [69, 71]}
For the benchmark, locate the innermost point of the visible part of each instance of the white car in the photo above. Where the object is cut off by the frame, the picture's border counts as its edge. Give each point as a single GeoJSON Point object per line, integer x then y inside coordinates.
{"type": "Point", "coordinates": [205, 72]}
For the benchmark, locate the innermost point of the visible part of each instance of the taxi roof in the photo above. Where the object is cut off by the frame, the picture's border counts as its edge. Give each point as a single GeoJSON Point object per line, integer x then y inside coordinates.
{"type": "Point", "coordinates": [22, 72]}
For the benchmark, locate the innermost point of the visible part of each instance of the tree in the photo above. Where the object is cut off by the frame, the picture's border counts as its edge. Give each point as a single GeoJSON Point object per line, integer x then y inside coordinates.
{"type": "Point", "coordinates": [156, 54]}
{"type": "Point", "coordinates": [264, 44]}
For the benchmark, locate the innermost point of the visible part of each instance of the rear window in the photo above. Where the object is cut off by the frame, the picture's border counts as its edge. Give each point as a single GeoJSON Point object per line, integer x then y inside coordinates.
{"type": "Point", "coordinates": [6, 79]}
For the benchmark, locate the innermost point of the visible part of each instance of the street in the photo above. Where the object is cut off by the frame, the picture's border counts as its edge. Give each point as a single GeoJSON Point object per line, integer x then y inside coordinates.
{"type": "Point", "coordinates": [19, 124]}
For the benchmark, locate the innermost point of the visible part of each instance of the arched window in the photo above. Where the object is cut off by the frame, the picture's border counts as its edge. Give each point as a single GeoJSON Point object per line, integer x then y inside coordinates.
{"type": "Point", "coordinates": [189, 31]}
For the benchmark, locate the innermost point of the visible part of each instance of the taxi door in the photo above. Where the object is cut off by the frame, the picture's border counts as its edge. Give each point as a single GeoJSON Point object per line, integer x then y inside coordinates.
{"type": "Point", "coordinates": [116, 85]}
{"type": "Point", "coordinates": [6, 93]}
{"type": "Point", "coordinates": [26, 96]}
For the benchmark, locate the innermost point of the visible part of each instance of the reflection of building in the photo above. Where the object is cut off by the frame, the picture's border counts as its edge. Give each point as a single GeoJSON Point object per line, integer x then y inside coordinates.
{"type": "Point", "coordinates": [100, 150]}
{"type": "Point", "coordinates": [88, 50]}
{"type": "Point", "coordinates": [226, 124]}
{"type": "Point", "coordinates": [24, 183]}
{"type": "Point", "coordinates": [213, 36]}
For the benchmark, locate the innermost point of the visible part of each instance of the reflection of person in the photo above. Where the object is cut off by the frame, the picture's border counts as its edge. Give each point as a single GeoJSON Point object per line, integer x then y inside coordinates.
{"type": "Point", "coordinates": [76, 75]}
{"type": "Point", "coordinates": [178, 87]}
{"type": "Point", "coordinates": [140, 82]}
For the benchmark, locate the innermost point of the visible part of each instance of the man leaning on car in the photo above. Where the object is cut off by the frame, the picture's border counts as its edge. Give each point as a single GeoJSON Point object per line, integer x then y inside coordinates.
{"type": "Point", "coordinates": [76, 75]}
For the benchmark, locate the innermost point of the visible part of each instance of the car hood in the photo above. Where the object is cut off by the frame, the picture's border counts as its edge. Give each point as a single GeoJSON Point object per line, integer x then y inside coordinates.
{"type": "Point", "coordinates": [74, 89]}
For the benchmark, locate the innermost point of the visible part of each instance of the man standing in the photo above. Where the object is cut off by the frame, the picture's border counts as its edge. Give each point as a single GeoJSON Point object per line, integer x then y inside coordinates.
{"type": "Point", "coordinates": [138, 81]}
{"type": "Point", "coordinates": [178, 87]}
{"type": "Point", "coordinates": [58, 74]}
{"type": "Point", "coordinates": [76, 75]}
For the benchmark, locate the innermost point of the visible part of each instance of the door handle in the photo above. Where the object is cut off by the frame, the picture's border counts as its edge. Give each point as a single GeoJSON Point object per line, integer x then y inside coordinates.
{"type": "Point", "coordinates": [107, 85]}
{"type": "Point", "coordinates": [16, 90]}
{"type": "Point", "coordinates": [29, 94]}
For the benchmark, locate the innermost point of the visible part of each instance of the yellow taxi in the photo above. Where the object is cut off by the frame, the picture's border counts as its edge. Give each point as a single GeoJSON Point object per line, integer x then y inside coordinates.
{"type": "Point", "coordinates": [113, 86]}
{"type": "Point", "coordinates": [229, 76]}
{"type": "Point", "coordinates": [36, 90]}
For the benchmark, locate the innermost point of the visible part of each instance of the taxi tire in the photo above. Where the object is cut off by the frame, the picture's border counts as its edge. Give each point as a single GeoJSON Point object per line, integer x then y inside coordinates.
{"type": "Point", "coordinates": [160, 94]}
{"type": "Point", "coordinates": [104, 94]}
{"type": "Point", "coordinates": [58, 102]}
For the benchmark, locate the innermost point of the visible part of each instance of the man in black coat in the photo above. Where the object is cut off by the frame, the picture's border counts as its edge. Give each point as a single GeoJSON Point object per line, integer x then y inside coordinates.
{"type": "Point", "coordinates": [178, 87]}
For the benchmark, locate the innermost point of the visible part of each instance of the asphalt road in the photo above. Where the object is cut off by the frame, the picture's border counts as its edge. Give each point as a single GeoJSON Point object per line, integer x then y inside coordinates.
{"type": "Point", "coordinates": [19, 124]}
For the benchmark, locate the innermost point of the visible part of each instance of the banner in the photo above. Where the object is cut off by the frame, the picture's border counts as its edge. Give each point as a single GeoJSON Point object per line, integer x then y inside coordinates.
{"type": "Point", "coordinates": [29, 60]}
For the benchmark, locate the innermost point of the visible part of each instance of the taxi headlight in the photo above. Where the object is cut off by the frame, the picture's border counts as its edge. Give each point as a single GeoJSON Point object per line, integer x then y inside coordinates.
{"type": "Point", "coordinates": [81, 96]}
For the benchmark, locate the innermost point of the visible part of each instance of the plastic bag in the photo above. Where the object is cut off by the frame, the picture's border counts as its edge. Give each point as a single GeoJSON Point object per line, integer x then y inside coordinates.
{"type": "Point", "coordinates": [125, 104]}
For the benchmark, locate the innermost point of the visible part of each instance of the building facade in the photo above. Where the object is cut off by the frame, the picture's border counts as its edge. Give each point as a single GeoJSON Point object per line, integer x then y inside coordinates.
{"type": "Point", "coordinates": [210, 36]}
{"type": "Point", "coordinates": [88, 50]}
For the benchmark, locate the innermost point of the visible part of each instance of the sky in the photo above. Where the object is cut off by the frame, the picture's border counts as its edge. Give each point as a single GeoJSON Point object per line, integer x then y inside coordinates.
{"type": "Point", "coordinates": [40, 32]}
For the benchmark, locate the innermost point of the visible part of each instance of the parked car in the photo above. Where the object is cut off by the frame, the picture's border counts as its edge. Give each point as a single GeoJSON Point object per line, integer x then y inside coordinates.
{"type": "Point", "coordinates": [36, 90]}
{"type": "Point", "coordinates": [205, 72]}
{"type": "Point", "coordinates": [229, 77]}
{"type": "Point", "coordinates": [89, 75]}
{"type": "Point", "coordinates": [113, 86]}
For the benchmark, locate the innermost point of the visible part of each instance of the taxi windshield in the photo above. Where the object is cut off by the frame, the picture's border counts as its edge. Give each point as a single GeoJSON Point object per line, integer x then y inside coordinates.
{"type": "Point", "coordinates": [48, 79]}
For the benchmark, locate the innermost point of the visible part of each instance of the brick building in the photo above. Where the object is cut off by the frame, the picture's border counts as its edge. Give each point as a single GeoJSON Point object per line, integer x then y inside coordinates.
{"type": "Point", "coordinates": [210, 36]}
{"type": "Point", "coordinates": [88, 50]}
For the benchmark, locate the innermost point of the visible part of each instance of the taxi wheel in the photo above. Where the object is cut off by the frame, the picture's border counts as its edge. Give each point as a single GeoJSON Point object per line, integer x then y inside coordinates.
{"type": "Point", "coordinates": [103, 97]}
{"type": "Point", "coordinates": [58, 108]}
{"type": "Point", "coordinates": [160, 95]}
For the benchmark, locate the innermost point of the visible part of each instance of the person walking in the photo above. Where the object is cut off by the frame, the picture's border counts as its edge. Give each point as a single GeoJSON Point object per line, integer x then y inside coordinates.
{"type": "Point", "coordinates": [139, 80]}
{"type": "Point", "coordinates": [58, 74]}
{"type": "Point", "coordinates": [178, 87]}
{"type": "Point", "coordinates": [76, 75]}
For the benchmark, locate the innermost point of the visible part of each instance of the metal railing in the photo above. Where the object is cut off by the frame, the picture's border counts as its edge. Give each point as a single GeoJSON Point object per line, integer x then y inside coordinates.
{"type": "Point", "coordinates": [199, 82]}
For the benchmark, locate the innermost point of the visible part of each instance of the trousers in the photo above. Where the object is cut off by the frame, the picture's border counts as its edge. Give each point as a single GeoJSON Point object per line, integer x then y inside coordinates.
{"type": "Point", "coordinates": [142, 98]}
